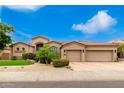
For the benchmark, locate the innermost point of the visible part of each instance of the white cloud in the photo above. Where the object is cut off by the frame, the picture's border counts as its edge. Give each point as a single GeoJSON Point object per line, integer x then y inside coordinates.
{"type": "Point", "coordinates": [24, 34]}
{"type": "Point", "coordinates": [24, 7]}
{"type": "Point", "coordinates": [21, 36]}
{"type": "Point", "coordinates": [100, 22]}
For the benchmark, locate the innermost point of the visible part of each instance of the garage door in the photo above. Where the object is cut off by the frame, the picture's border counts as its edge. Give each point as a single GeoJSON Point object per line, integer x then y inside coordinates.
{"type": "Point", "coordinates": [74, 55]}
{"type": "Point", "coordinates": [98, 55]}
{"type": "Point", "coordinates": [5, 56]}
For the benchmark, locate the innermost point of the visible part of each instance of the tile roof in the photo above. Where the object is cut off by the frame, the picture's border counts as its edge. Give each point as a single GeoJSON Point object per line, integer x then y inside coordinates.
{"type": "Point", "coordinates": [91, 43]}
{"type": "Point", "coordinates": [21, 43]}
{"type": "Point", "coordinates": [40, 37]}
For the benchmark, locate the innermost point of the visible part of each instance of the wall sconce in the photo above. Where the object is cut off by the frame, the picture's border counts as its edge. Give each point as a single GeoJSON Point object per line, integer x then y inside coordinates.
{"type": "Point", "coordinates": [64, 52]}
{"type": "Point", "coordinates": [83, 50]}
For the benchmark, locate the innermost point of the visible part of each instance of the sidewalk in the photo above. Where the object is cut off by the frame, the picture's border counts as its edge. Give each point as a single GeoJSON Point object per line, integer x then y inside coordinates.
{"type": "Point", "coordinates": [60, 76]}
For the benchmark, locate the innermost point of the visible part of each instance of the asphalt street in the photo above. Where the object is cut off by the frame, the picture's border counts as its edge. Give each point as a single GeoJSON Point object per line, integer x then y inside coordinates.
{"type": "Point", "coordinates": [62, 84]}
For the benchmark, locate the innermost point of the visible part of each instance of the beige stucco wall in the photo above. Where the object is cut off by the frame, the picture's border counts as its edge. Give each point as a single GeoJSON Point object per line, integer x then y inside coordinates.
{"type": "Point", "coordinates": [98, 47]}
{"type": "Point", "coordinates": [28, 49]}
{"type": "Point", "coordinates": [39, 40]}
{"type": "Point", "coordinates": [5, 51]}
{"type": "Point", "coordinates": [54, 44]}
{"type": "Point", "coordinates": [115, 55]}
{"type": "Point", "coordinates": [73, 46]}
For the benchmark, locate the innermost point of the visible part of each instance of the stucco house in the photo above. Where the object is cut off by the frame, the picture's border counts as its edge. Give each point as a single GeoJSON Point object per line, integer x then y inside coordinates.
{"type": "Point", "coordinates": [75, 51]}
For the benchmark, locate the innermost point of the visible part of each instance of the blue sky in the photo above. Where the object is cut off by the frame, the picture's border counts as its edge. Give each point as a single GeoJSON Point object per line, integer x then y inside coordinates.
{"type": "Point", "coordinates": [65, 23]}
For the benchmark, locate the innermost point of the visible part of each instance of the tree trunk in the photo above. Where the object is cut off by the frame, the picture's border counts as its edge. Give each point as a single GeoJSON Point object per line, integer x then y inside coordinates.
{"type": "Point", "coordinates": [46, 62]}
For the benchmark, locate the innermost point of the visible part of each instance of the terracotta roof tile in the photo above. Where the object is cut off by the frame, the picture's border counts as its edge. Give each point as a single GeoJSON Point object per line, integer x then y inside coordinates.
{"type": "Point", "coordinates": [40, 37]}
{"type": "Point", "coordinates": [98, 43]}
{"type": "Point", "coordinates": [21, 43]}
{"type": "Point", "coordinates": [54, 41]}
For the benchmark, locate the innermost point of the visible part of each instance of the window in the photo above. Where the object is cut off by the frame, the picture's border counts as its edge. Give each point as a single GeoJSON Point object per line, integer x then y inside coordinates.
{"type": "Point", "coordinates": [17, 49]}
{"type": "Point", "coordinates": [53, 48]}
{"type": "Point", "coordinates": [23, 49]}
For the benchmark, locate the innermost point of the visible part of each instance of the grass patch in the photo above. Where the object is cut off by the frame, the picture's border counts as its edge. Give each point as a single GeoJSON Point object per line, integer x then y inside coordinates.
{"type": "Point", "coordinates": [14, 62]}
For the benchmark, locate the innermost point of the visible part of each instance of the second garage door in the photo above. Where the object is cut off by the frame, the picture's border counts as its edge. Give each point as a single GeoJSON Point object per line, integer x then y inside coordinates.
{"type": "Point", "coordinates": [74, 55]}
{"type": "Point", "coordinates": [5, 56]}
{"type": "Point", "coordinates": [99, 55]}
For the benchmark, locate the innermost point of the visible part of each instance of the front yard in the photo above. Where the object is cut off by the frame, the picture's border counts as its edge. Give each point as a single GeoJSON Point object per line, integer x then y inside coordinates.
{"type": "Point", "coordinates": [14, 62]}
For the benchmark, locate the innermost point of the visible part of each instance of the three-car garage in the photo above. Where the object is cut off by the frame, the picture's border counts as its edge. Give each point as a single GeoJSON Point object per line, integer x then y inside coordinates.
{"type": "Point", "coordinates": [82, 52]}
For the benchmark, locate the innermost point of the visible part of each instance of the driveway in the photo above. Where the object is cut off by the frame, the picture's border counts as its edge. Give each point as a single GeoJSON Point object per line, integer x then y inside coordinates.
{"type": "Point", "coordinates": [85, 71]}
{"type": "Point", "coordinates": [97, 66]}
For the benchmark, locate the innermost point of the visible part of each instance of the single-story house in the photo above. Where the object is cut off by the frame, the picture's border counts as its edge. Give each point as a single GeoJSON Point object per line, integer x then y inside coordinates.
{"type": "Point", "coordinates": [75, 51]}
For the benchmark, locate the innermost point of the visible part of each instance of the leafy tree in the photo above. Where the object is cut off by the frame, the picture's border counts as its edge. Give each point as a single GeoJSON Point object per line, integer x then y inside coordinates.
{"type": "Point", "coordinates": [46, 54]}
{"type": "Point", "coordinates": [120, 48]}
{"type": "Point", "coordinates": [5, 38]}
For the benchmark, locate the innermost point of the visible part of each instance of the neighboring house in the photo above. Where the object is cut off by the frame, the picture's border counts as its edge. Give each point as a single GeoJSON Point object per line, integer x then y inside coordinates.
{"type": "Point", "coordinates": [74, 50]}
{"type": "Point", "coordinates": [118, 41]}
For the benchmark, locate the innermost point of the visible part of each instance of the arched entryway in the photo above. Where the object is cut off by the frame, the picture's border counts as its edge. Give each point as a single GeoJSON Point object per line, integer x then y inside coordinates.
{"type": "Point", "coordinates": [38, 46]}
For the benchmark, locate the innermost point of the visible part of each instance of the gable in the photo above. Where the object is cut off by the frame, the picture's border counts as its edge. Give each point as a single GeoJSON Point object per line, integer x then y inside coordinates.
{"type": "Point", "coordinates": [73, 45]}
{"type": "Point", "coordinates": [39, 40]}
{"type": "Point", "coordinates": [54, 44]}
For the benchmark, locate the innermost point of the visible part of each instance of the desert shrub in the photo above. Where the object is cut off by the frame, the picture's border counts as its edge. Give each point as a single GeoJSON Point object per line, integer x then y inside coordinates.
{"type": "Point", "coordinates": [60, 62]}
{"type": "Point", "coordinates": [14, 58]}
{"type": "Point", "coordinates": [65, 61]}
{"type": "Point", "coordinates": [28, 56]}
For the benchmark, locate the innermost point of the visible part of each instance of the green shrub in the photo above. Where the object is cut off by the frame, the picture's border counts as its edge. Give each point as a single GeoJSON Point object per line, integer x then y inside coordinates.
{"type": "Point", "coordinates": [65, 61]}
{"type": "Point", "coordinates": [28, 56]}
{"type": "Point", "coordinates": [42, 60]}
{"type": "Point", "coordinates": [14, 58]}
{"type": "Point", "coordinates": [60, 62]}
{"type": "Point", "coordinates": [46, 55]}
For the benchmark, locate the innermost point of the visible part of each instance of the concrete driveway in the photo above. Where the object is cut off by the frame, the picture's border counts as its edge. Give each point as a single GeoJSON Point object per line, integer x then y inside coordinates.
{"type": "Point", "coordinates": [97, 66]}
{"type": "Point", "coordinates": [85, 71]}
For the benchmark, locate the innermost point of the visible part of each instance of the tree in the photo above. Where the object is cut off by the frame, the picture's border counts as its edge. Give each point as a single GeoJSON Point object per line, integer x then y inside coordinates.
{"type": "Point", "coordinates": [5, 38]}
{"type": "Point", "coordinates": [120, 50]}
{"type": "Point", "coordinates": [46, 54]}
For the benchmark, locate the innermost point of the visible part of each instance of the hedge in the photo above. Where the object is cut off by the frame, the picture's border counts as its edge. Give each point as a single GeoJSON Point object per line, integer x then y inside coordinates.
{"type": "Point", "coordinates": [29, 56]}
{"type": "Point", "coordinates": [60, 62]}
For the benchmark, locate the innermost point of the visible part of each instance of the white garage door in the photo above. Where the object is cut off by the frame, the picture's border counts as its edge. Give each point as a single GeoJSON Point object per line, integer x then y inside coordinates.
{"type": "Point", "coordinates": [98, 55]}
{"type": "Point", "coordinates": [74, 55]}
